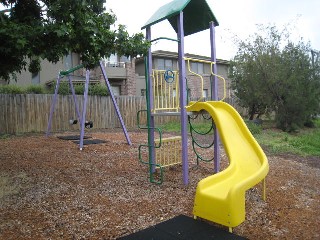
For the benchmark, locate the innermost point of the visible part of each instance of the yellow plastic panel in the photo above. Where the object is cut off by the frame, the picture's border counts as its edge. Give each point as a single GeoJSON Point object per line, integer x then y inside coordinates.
{"type": "Point", "coordinates": [169, 152]}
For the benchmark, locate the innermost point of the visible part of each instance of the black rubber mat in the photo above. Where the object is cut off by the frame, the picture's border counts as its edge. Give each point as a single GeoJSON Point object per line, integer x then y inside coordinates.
{"type": "Point", "coordinates": [183, 228]}
{"type": "Point", "coordinates": [72, 137]}
{"type": "Point", "coordinates": [90, 141]}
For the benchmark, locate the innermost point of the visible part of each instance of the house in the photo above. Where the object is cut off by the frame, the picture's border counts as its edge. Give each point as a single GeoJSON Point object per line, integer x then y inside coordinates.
{"type": "Point", "coordinates": [127, 76]}
{"type": "Point", "coordinates": [120, 72]}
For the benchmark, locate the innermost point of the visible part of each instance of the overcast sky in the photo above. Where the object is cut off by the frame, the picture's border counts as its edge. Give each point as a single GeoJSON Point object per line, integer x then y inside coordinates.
{"type": "Point", "coordinates": [234, 17]}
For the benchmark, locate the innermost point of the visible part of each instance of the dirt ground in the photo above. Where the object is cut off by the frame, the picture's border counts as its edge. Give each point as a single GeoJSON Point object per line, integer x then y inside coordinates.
{"type": "Point", "coordinates": [51, 190]}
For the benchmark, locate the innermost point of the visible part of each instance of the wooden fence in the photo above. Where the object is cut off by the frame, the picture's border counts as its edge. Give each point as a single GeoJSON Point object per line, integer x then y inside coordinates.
{"type": "Point", "coordinates": [22, 113]}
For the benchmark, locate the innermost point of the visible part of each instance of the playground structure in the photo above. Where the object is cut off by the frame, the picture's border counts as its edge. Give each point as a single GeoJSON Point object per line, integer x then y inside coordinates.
{"type": "Point", "coordinates": [221, 197]}
{"type": "Point", "coordinates": [158, 85]}
{"type": "Point", "coordinates": [81, 118]}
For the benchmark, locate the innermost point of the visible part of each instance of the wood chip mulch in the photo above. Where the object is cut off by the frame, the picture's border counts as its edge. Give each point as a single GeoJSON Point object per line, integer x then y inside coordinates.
{"type": "Point", "coordinates": [51, 190]}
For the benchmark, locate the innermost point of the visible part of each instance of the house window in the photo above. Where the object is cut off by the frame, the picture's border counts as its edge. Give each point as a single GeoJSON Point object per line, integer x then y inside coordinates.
{"type": "Point", "coordinates": [68, 61]}
{"type": "Point", "coordinates": [189, 94]}
{"type": "Point", "coordinates": [113, 58]}
{"type": "Point", "coordinates": [205, 93]}
{"type": "Point", "coordinates": [112, 61]}
{"type": "Point", "coordinates": [200, 68]}
{"type": "Point", "coordinates": [168, 64]}
{"type": "Point", "coordinates": [115, 90]}
{"type": "Point", "coordinates": [35, 78]}
{"type": "Point", "coordinates": [125, 59]}
{"type": "Point", "coordinates": [197, 67]}
{"type": "Point", "coordinates": [164, 64]}
{"type": "Point", "coordinates": [160, 64]}
{"type": "Point", "coordinates": [194, 67]}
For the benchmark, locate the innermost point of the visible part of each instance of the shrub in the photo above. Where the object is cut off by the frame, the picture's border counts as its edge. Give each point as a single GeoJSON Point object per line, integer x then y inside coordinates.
{"type": "Point", "coordinates": [79, 89]}
{"type": "Point", "coordinates": [310, 124]}
{"type": "Point", "coordinates": [11, 89]}
{"type": "Point", "coordinates": [36, 89]}
{"type": "Point", "coordinates": [98, 89]}
{"type": "Point", "coordinates": [63, 88]}
{"type": "Point", "coordinates": [254, 128]}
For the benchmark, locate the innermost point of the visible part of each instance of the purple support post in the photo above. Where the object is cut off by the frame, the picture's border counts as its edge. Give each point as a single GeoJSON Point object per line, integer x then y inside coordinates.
{"type": "Point", "coordinates": [115, 103]}
{"type": "Point", "coordinates": [150, 104]}
{"type": "Point", "coordinates": [53, 104]}
{"type": "Point", "coordinates": [183, 99]}
{"type": "Point", "coordinates": [74, 98]}
{"type": "Point", "coordinates": [215, 97]}
{"type": "Point", "coordinates": [84, 109]}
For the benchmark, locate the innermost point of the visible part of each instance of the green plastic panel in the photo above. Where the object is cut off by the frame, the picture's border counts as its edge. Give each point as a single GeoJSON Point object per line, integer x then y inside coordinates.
{"type": "Point", "coordinates": [197, 15]}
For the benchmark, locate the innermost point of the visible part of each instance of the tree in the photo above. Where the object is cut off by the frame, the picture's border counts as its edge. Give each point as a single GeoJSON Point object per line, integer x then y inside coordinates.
{"type": "Point", "coordinates": [271, 73]}
{"type": "Point", "coordinates": [254, 71]}
{"type": "Point", "coordinates": [49, 29]}
{"type": "Point", "coordinates": [300, 94]}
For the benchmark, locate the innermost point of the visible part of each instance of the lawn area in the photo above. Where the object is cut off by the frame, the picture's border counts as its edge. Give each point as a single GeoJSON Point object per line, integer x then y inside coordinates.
{"type": "Point", "coordinates": [305, 142]}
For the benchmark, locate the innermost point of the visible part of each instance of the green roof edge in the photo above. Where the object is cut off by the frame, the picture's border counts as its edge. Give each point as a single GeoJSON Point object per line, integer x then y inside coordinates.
{"type": "Point", "coordinates": [151, 22]}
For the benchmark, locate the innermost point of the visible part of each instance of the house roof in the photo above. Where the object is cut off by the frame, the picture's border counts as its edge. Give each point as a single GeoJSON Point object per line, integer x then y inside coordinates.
{"type": "Point", "coordinates": [197, 15]}
{"type": "Point", "coordinates": [174, 55]}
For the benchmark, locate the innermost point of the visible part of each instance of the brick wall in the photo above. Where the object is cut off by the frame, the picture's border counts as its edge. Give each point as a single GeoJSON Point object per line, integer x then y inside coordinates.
{"type": "Point", "coordinates": [194, 84]}
{"type": "Point", "coordinates": [130, 83]}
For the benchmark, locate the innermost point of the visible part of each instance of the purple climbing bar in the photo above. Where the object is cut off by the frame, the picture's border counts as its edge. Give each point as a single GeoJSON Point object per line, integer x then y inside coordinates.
{"type": "Point", "coordinates": [183, 99]}
{"type": "Point", "coordinates": [115, 103]}
{"type": "Point", "coordinates": [215, 97]}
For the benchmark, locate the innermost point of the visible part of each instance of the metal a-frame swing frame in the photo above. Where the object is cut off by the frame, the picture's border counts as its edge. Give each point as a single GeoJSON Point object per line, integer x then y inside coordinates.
{"type": "Point", "coordinates": [85, 95]}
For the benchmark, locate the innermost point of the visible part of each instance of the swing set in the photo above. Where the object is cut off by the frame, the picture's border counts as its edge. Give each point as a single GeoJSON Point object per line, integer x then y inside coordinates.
{"type": "Point", "coordinates": [81, 117]}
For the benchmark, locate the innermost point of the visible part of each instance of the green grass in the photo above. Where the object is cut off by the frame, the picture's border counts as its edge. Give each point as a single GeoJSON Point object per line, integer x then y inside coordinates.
{"type": "Point", "coordinates": [171, 127]}
{"type": "Point", "coordinates": [304, 143]}
{"type": "Point", "coordinates": [176, 127]}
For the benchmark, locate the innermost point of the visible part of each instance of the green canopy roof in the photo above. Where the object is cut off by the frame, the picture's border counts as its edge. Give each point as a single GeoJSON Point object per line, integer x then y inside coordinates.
{"type": "Point", "coordinates": [197, 15]}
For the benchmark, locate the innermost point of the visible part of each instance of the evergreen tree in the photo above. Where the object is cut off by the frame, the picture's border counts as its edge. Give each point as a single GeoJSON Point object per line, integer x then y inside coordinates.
{"type": "Point", "coordinates": [271, 73]}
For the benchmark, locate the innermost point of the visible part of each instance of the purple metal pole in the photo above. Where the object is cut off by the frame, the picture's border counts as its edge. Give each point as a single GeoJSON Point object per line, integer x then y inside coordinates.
{"type": "Point", "coordinates": [84, 109]}
{"type": "Point", "coordinates": [183, 99]}
{"type": "Point", "coordinates": [74, 98]}
{"type": "Point", "coordinates": [115, 103]}
{"type": "Point", "coordinates": [215, 97]}
{"type": "Point", "coordinates": [150, 103]}
{"type": "Point", "coordinates": [53, 104]}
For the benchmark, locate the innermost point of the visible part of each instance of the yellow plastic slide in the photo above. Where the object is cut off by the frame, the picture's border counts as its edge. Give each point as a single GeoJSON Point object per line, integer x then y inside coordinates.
{"type": "Point", "coordinates": [220, 198]}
